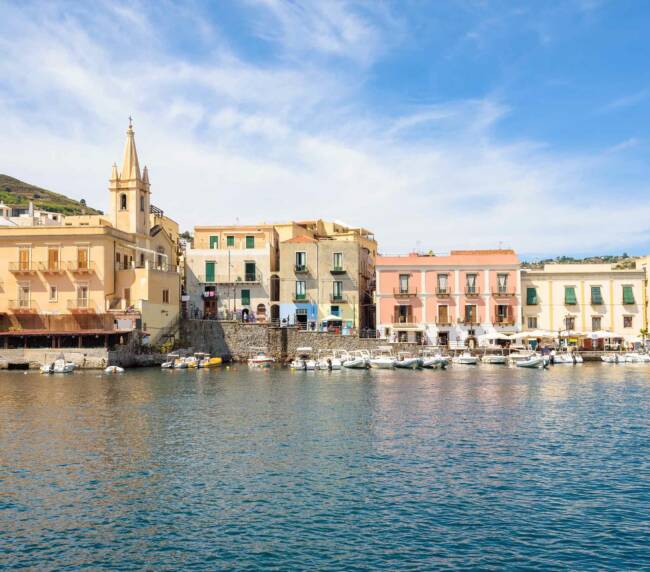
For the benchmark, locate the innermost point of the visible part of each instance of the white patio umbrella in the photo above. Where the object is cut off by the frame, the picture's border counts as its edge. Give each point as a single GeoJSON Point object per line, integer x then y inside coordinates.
{"type": "Point", "coordinates": [494, 336]}
{"type": "Point", "coordinates": [602, 335]}
{"type": "Point", "coordinates": [332, 318]}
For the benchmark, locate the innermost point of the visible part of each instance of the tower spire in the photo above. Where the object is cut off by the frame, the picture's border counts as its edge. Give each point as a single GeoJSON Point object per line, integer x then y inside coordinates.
{"type": "Point", "coordinates": [130, 164]}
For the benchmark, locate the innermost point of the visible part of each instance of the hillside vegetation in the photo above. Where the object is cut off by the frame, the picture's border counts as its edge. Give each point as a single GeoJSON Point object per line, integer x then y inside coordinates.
{"type": "Point", "coordinates": [16, 192]}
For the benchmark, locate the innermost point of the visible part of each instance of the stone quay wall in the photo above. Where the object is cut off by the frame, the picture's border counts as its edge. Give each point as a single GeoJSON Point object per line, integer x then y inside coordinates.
{"type": "Point", "coordinates": [85, 358]}
{"type": "Point", "coordinates": [235, 341]}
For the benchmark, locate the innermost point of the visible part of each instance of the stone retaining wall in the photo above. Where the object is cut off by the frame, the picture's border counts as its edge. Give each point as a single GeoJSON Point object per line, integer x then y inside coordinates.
{"type": "Point", "coordinates": [86, 358]}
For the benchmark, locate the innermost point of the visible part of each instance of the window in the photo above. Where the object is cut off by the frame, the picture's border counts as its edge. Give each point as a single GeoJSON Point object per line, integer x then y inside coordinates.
{"type": "Point", "coordinates": [165, 296]}
{"type": "Point", "coordinates": [142, 260]}
{"type": "Point", "coordinates": [471, 316]}
{"type": "Point", "coordinates": [502, 283]}
{"type": "Point", "coordinates": [628, 295]}
{"type": "Point", "coordinates": [470, 287]}
{"type": "Point", "coordinates": [118, 259]}
{"type": "Point", "coordinates": [250, 272]}
{"type": "Point", "coordinates": [82, 296]}
{"type": "Point", "coordinates": [142, 203]}
{"type": "Point", "coordinates": [214, 242]}
{"type": "Point", "coordinates": [209, 271]}
{"type": "Point", "coordinates": [443, 314]}
{"type": "Point", "coordinates": [502, 313]}
{"type": "Point", "coordinates": [230, 241]}
{"type": "Point", "coordinates": [250, 242]}
{"type": "Point", "coordinates": [532, 322]}
{"type": "Point", "coordinates": [82, 258]}
{"type": "Point", "coordinates": [570, 323]}
{"type": "Point", "coordinates": [337, 261]}
{"type": "Point", "coordinates": [442, 284]}
{"type": "Point", "coordinates": [245, 297]}
{"type": "Point", "coordinates": [531, 296]}
{"type": "Point", "coordinates": [24, 257]}
{"type": "Point", "coordinates": [627, 321]}
{"type": "Point", "coordinates": [301, 261]}
{"type": "Point", "coordinates": [54, 294]}
{"type": "Point", "coordinates": [301, 290]}
{"type": "Point", "coordinates": [335, 310]}
{"type": "Point", "coordinates": [403, 283]}
{"type": "Point", "coordinates": [123, 202]}
{"type": "Point", "coordinates": [570, 295]}
{"type": "Point", "coordinates": [596, 323]}
{"type": "Point", "coordinates": [53, 258]}
{"type": "Point", "coordinates": [337, 290]}
{"type": "Point", "coordinates": [596, 297]}
{"type": "Point", "coordinates": [24, 295]}
{"type": "Point", "coordinates": [403, 314]}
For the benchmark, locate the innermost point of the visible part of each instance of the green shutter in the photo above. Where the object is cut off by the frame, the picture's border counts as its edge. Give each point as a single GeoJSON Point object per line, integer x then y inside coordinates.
{"type": "Point", "coordinates": [245, 297]}
{"type": "Point", "coordinates": [209, 271]}
{"type": "Point", "coordinates": [250, 242]}
{"type": "Point", "coordinates": [570, 295]}
{"type": "Point", "coordinates": [531, 296]}
{"type": "Point", "coordinates": [628, 295]}
{"type": "Point", "coordinates": [230, 241]}
{"type": "Point", "coordinates": [596, 296]}
{"type": "Point", "coordinates": [250, 271]}
{"type": "Point", "coordinates": [214, 242]}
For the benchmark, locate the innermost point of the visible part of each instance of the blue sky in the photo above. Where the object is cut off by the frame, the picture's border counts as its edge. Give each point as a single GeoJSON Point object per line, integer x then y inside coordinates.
{"type": "Point", "coordinates": [436, 124]}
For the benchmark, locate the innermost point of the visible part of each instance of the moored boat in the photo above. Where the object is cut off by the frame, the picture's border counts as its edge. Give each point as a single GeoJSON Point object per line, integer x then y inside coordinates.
{"type": "Point", "coordinates": [494, 358]}
{"type": "Point", "coordinates": [466, 358]}
{"type": "Point", "coordinates": [407, 361]}
{"type": "Point", "coordinates": [532, 362]}
{"type": "Point", "coordinates": [359, 359]}
{"type": "Point", "coordinates": [114, 369]}
{"type": "Point", "coordinates": [382, 358]}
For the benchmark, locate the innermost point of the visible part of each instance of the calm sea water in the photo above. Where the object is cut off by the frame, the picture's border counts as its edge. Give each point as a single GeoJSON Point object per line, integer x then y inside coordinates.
{"type": "Point", "coordinates": [486, 468]}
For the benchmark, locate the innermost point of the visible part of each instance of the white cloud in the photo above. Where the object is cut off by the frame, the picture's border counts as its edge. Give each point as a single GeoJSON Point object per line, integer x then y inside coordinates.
{"type": "Point", "coordinates": [229, 139]}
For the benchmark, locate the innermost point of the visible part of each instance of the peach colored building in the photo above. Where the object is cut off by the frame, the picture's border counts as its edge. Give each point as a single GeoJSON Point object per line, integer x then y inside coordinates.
{"type": "Point", "coordinates": [448, 300]}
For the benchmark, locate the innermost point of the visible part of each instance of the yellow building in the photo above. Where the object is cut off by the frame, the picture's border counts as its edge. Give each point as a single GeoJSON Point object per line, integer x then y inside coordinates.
{"type": "Point", "coordinates": [326, 272]}
{"type": "Point", "coordinates": [585, 302]}
{"type": "Point", "coordinates": [92, 279]}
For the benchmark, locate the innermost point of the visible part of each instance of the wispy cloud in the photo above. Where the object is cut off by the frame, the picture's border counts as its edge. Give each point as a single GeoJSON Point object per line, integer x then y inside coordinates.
{"type": "Point", "coordinates": [228, 137]}
{"type": "Point", "coordinates": [627, 101]}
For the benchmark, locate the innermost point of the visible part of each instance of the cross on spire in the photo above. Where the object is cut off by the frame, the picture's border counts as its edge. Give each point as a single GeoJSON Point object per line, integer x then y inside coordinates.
{"type": "Point", "coordinates": [130, 122]}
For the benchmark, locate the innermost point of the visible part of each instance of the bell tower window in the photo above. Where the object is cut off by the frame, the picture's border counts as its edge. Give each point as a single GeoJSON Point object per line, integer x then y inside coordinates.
{"type": "Point", "coordinates": [123, 201]}
{"type": "Point", "coordinates": [142, 203]}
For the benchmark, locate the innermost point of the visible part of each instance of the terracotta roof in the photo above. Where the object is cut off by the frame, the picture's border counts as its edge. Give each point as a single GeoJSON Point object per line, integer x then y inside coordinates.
{"type": "Point", "coordinates": [300, 239]}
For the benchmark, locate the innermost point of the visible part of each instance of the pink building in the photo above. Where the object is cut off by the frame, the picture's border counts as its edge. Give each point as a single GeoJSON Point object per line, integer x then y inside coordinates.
{"type": "Point", "coordinates": [448, 300]}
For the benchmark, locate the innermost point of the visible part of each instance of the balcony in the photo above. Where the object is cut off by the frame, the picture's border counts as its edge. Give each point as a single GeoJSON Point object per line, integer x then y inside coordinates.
{"type": "Point", "coordinates": [402, 293]}
{"type": "Point", "coordinates": [23, 306]}
{"type": "Point", "coordinates": [472, 292]}
{"type": "Point", "coordinates": [502, 322]}
{"type": "Point", "coordinates": [443, 292]}
{"type": "Point", "coordinates": [250, 278]}
{"type": "Point", "coordinates": [337, 270]}
{"type": "Point", "coordinates": [301, 298]}
{"type": "Point", "coordinates": [51, 267]}
{"type": "Point", "coordinates": [81, 305]}
{"type": "Point", "coordinates": [403, 321]}
{"type": "Point", "coordinates": [338, 299]}
{"type": "Point", "coordinates": [22, 267]}
{"type": "Point", "coordinates": [469, 321]}
{"type": "Point", "coordinates": [301, 269]}
{"type": "Point", "coordinates": [81, 267]}
{"type": "Point", "coordinates": [443, 322]}
{"type": "Point", "coordinates": [503, 293]}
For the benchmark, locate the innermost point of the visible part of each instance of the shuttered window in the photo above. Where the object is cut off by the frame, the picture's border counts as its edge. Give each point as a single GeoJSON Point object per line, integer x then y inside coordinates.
{"type": "Point", "coordinates": [628, 295]}
{"type": "Point", "coordinates": [250, 242]}
{"type": "Point", "coordinates": [570, 295]}
{"type": "Point", "coordinates": [209, 271]}
{"type": "Point", "coordinates": [596, 295]}
{"type": "Point", "coordinates": [230, 241]}
{"type": "Point", "coordinates": [245, 297]}
{"type": "Point", "coordinates": [531, 296]}
{"type": "Point", "coordinates": [214, 242]}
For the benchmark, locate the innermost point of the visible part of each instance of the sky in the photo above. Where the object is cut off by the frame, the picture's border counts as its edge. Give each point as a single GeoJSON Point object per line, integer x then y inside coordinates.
{"type": "Point", "coordinates": [436, 124]}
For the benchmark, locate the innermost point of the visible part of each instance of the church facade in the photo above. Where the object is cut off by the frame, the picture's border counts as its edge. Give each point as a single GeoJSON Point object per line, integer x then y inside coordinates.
{"type": "Point", "coordinates": [92, 280]}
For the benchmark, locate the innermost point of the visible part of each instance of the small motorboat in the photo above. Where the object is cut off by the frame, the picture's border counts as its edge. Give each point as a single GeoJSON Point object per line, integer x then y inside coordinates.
{"type": "Point", "coordinates": [191, 362]}
{"type": "Point", "coordinates": [47, 368]}
{"type": "Point", "coordinates": [114, 369]}
{"type": "Point", "coordinates": [520, 355]}
{"type": "Point", "coordinates": [636, 357]}
{"type": "Point", "coordinates": [494, 358]}
{"type": "Point", "coordinates": [465, 358]}
{"type": "Point", "coordinates": [260, 360]}
{"type": "Point", "coordinates": [303, 360]}
{"type": "Point", "coordinates": [205, 360]}
{"type": "Point", "coordinates": [433, 359]}
{"type": "Point", "coordinates": [533, 362]}
{"type": "Point", "coordinates": [612, 358]}
{"type": "Point", "coordinates": [359, 359]}
{"type": "Point", "coordinates": [171, 361]}
{"type": "Point", "coordinates": [406, 361]}
{"type": "Point", "coordinates": [566, 358]}
{"type": "Point", "coordinates": [62, 366]}
{"type": "Point", "coordinates": [327, 360]}
{"type": "Point", "coordinates": [382, 358]}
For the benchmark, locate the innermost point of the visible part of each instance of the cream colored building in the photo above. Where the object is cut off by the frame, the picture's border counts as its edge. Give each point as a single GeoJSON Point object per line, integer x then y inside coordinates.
{"type": "Point", "coordinates": [578, 300]}
{"type": "Point", "coordinates": [231, 272]}
{"type": "Point", "coordinates": [326, 271]}
{"type": "Point", "coordinates": [91, 279]}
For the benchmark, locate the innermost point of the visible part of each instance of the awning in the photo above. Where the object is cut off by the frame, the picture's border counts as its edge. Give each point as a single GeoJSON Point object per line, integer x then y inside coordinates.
{"type": "Point", "coordinates": [332, 318]}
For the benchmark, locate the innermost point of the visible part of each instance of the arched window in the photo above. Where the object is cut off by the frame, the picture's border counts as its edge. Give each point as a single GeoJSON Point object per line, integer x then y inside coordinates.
{"type": "Point", "coordinates": [123, 202]}
{"type": "Point", "coordinates": [142, 203]}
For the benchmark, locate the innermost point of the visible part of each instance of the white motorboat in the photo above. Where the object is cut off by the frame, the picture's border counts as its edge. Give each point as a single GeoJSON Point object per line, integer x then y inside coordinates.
{"type": "Point", "coordinates": [303, 360]}
{"type": "Point", "coordinates": [62, 366]}
{"type": "Point", "coordinates": [566, 358]}
{"type": "Point", "coordinates": [260, 360]}
{"type": "Point", "coordinates": [406, 361]}
{"type": "Point", "coordinates": [47, 368]}
{"type": "Point", "coordinates": [465, 358]}
{"type": "Point", "coordinates": [520, 355]}
{"type": "Point", "coordinates": [359, 359]}
{"type": "Point", "coordinates": [171, 361]}
{"type": "Point", "coordinates": [533, 362]}
{"type": "Point", "coordinates": [612, 358]}
{"type": "Point", "coordinates": [114, 369]}
{"type": "Point", "coordinates": [191, 362]}
{"type": "Point", "coordinates": [495, 358]}
{"type": "Point", "coordinates": [382, 358]}
{"type": "Point", "coordinates": [433, 360]}
{"type": "Point", "coordinates": [327, 360]}
{"type": "Point", "coordinates": [636, 357]}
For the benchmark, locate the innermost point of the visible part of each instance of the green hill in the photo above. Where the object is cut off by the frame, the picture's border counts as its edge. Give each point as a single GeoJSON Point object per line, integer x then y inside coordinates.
{"type": "Point", "coordinates": [15, 192]}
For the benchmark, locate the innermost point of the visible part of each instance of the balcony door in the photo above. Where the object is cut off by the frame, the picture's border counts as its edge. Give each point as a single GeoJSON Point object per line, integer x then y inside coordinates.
{"type": "Point", "coordinates": [249, 271]}
{"type": "Point", "coordinates": [403, 283]}
{"type": "Point", "coordinates": [53, 259]}
{"type": "Point", "coordinates": [82, 258]}
{"type": "Point", "coordinates": [82, 296]}
{"type": "Point", "coordinates": [23, 295]}
{"type": "Point", "coordinates": [443, 314]}
{"type": "Point", "coordinates": [443, 283]}
{"type": "Point", "coordinates": [403, 314]}
{"type": "Point", "coordinates": [24, 254]}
